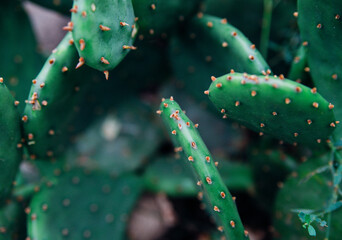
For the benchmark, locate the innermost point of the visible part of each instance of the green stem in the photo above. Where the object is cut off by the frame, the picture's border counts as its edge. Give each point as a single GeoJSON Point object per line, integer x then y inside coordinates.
{"type": "Point", "coordinates": [266, 27]}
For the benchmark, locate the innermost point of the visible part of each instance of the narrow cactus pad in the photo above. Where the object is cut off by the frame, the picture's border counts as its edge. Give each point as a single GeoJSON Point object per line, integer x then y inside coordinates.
{"type": "Point", "coordinates": [52, 100]}
{"type": "Point", "coordinates": [282, 108]}
{"type": "Point", "coordinates": [156, 17]}
{"type": "Point", "coordinates": [103, 31]}
{"type": "Point", "coordinates": [187, 139]}
{"type": "Point", "coordinates": [62, 6]}
{"type": "Point", "coordinates": [320, 24]}
{"type": "Point", "coordinates": [211, 48]}
{"type": "Point", "coordinates": [307, 190]}
{"type": "Point", "coordinates": [84, 205]}
{"type": "Point", "coordinates": [10, 141]}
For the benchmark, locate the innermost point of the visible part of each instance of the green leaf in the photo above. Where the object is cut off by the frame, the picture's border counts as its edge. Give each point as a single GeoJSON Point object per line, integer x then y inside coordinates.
{"type": "Point", "coordinates": [311, 230]}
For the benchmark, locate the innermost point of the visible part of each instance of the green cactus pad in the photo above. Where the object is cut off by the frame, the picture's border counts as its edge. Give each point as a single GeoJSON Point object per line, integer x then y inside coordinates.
{"type": "Point", "coordinates": [84, 205]}
{"type": "Point", "coordinates": [12, 221]}
{"type": "Point", "coordinates": [282, 108]}
{"type": "Point", "coordinates": [186, 138]}
{"type": "Point", "coordinates": [156, 17]}
{"type": "Point", "coordinates": [320, 25]}
{"type": "Point", "coordinates": [20, 61]}
{"type": "Point", "coordinates": [312, 194]}
{"type": "Point", "coordinates": [212, 47]}
{"type": "Point", "coordinates": [103, 31]}
{"type": "Point", "coordinates": [52, 100]}
{"type": "Point", "coordinates": [62, 6]}
{"type": "Point", "coordinates": [10, 137]}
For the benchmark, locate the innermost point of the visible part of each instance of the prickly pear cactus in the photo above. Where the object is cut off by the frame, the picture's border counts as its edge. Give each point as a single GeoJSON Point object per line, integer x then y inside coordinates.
{"type": "Point", "coordinates": [10, 141]}
{"type": "Point", "coordinates": [320, 26]}
{"type": "Point", "coordinates": [103, 31]}
{"type": "Point", "coordinates": [187, 139]}
{"type": "Point", "coordinates": [282, 108]}
{"type": "Point", "coordinates": [93, 204]}
{"type": "Point", "coordinates": [52, 99]}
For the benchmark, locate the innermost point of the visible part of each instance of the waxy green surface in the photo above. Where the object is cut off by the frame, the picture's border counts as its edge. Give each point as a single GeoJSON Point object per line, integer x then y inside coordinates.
{"type": "Point", "coordinates": [84, 205]}
{"type": "Point", "coordinates": [101, 30]}
{"type": "Point", "coordinates": [320, 24]}
{"type": "Point", "coordinates": [282, 108]}
{"type": "Point", "coordinates": [185, 135]}
{"type": "Point", "coordinates": [10, 154]}
{"type": "Point", "coordinates": [59, 88]}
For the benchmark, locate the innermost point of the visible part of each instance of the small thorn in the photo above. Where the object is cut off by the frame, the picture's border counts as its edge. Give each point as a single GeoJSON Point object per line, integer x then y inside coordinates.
{"type": "Point", "coordinates": [129, 47]}
{"type": "Point", "coordinates": [190, 158]}
{"type": "Point", "coordinates": [208, 179]}
{"type": "Point", "coordinates": [64, 69]}
{"type": "Point", "coordinates": [287, 101]}
{"type": "Point", "coordinates": [232, 224]}
{"type": "Point", "coordinates": [122, 24]}
{"type": "Point", "coordinates": [80, 63]}
{"type": "Point", "coordinates": [213, 78]}
{"type": "Point", "coordinates": [315, 104]}
{"type": "Point", "coordinates": [104, 28]}
{"type": "Point", "coordinates": [106, 73]}
{"type": "Point", "coordinates": [69, 27]}
{"type": "Point", "coordinates": [206, 92]}
{"type": "Point", "coordinates": [331, 106]}
{"type": "Point", "coordinates": [216, 209]}
{"type": "Point", "coordinates": [74, 9]}
{"type": "Point", "coordinates": [103, 60]}
{"type": "Point", "coordinates": [223, 195]}
{"type": "Point", "coordinates": [158, 112]}
{"type": "Point", "coordinates": [82, 44]}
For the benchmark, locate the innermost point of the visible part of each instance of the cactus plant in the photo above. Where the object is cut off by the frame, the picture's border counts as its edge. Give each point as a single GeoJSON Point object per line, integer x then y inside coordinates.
{"type": "Point", "coordinates": [86, 149]}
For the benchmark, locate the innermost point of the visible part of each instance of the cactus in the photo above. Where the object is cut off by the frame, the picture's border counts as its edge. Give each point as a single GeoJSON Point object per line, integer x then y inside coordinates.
{"type": "Point", "coordinates": [297, 114]}
{"type": "Point", "coordinates": [101, 41]}
{"type": "Point", "coordinates": [55, 90]}
{"type": "Point", "coordinates": [83, 196]}
{"type": "Point", "coordinates": [320, 26]}
{"type": "Point", "coordinates": [185, 136]}
{"type": "Point", "coordinates": [10, 141]}
{"type": "Point", "coordinates": [211, 48]}
{"type": "Point", "coordinates": [85, 149]}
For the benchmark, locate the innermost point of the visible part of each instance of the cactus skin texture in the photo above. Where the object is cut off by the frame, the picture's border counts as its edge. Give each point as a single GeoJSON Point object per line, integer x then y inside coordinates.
{"type": "Point", "coordinates": [159, 17]}
{"type": "Point", "coordinates": [83, 205]}
{"type": "Point", "coordinates": [103, 31]}
{"type": "Point", "coordinates": [212, 47]}
{"type": "Point", "coordinates": [320, 25]}
{"type": "Point", "coordinates": [282, 108]}
{"type": "Point", "coordinates": [185, 135]}
{"type": "Point", "coordinates": [10, 140]}
{"type": "Point", "coordinates": [61, 6]}
{"type": "Point", "coordinates": [52, 100]}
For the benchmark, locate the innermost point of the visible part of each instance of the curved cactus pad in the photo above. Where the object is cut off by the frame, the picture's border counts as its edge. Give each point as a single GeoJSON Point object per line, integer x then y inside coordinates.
{"type": "Point", "coordinates": [282, 108]}
{"type": "Point", "coordinates": [84, 205]}
{"type": "Point", "coordinates": [10, 136]}
{"type": "Point", "coordinates": [53, 99]}
{"type": "Point", "coordinates": [212, 47]}
{"type": "Point", "coordinates": [186, 138]}
{"type": "Point", "coordinates": [103, 31]}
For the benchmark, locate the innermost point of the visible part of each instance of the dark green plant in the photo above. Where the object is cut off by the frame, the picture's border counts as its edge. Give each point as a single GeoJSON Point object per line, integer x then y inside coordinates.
{"type": "Point", "coordinates": [78, 152]}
